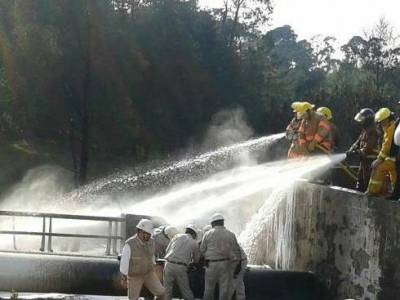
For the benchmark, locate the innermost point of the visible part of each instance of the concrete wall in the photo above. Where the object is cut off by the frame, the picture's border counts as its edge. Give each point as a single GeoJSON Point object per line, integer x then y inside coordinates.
{"type": "Point", "coordinates": [350, 240]}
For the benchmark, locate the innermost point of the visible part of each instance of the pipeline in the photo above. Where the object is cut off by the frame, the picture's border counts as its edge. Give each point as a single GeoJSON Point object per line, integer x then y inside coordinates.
{"type": "Point", "coordinates": [47, 273]}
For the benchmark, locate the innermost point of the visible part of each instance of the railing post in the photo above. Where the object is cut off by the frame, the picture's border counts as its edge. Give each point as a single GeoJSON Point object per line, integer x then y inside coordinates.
{"type": "Point", "coordinates": [14, 239]}
{"type": "Point", "coordinates": [114, 241]}
{"type": "Point", "coordinates": [109, 238]}
{"type": "Point", "coordinates": [43, 235]}
{"type": "Point", "coordinates": [122, 231]}
{"type": "Point", "coordinates": [49, 242]}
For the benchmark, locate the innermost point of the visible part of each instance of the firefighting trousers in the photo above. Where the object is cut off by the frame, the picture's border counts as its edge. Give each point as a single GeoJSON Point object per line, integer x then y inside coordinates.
{"type": "Point", "coordinates": [376, 182]}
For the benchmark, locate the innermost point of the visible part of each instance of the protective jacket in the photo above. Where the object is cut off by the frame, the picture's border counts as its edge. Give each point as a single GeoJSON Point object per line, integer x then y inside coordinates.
{"type": "Point", "coordinates": [367, 142]}
{"type": "Point", "coordinates": [388, 149]}
{"type": "Point", "coordinates": [367, 146]}
{"type": "Point", "coordinates": [317, 129]}
{"type": "Point", "coordinates": [293, 136]}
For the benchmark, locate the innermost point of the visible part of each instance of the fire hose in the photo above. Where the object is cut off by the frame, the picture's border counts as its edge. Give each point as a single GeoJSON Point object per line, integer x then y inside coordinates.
{"type": "Point", "coordinates": [344, 166]}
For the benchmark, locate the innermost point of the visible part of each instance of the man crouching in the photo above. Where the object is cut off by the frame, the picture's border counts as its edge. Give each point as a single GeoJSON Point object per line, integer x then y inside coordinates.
{"type": "Point", "coordinates": [137, 262]}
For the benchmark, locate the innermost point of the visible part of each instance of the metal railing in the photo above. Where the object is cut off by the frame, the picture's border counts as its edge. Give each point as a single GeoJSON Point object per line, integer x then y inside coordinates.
{"type": "Point", "coordinates": [115, 226]}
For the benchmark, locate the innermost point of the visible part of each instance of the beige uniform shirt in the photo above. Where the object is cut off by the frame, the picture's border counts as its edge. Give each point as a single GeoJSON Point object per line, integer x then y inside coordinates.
{"type": "Point", "coordinates": [220, 243]}
{"type": "Point", "coordinates": [183, 248]}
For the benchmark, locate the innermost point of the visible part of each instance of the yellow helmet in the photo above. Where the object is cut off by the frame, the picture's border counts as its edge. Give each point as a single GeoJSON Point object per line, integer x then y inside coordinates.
{"type": "Point", "coordinates": [382, 114]}
{"type": "Point", "coordinates": [295, 105]}
{"type": "Point", "coordinates": [326, 112]}
{"type": "Point", "coordinates": [302, 108]}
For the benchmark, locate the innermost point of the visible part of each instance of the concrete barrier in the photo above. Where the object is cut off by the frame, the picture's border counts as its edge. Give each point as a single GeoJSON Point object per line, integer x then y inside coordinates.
{"type": "Point", "coordinates": [350, 240]}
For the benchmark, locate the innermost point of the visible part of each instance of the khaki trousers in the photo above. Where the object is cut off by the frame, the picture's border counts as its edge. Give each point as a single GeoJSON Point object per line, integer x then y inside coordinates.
{"type": "Point", "coordinates": [220, 272]}
{"type": "Point", "coordinates": [150, 281]}
{"type": "Point", "coordinates": [178, 273]}
{"type": "Point", "coordinates": [238, 283]}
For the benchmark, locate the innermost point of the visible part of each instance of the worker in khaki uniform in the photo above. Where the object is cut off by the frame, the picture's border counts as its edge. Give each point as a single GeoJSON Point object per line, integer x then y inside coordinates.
{"type": "Point", "coordinates": [137, 262]}
{"type": "Point", "coordinates": [385, 164]}
{"type": "Point", "coordinates": [162, 236]}
{"type": "Point", "coordinates": [365, 147]}
{"type": "Point", "coordinates": [182, 250]}
{"type": "Point", "coordinates": [222, 257]}
{"type": "Point", "coordinates": [293, 136]}
{"type": "Point", "coordinates": [314, 129]}
{"type": "Point", "coordinates": [238, 280]}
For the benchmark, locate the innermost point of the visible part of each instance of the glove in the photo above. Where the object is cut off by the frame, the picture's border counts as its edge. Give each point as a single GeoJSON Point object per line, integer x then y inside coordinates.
{"type": "Point", "coordinates": [362, 153]}
{"type": "Point", "coordinates": [237, 269]}
{"type": "Point", "coordinates": [311, 146]}
{"type": "Point", "coordinates": [124, 281]}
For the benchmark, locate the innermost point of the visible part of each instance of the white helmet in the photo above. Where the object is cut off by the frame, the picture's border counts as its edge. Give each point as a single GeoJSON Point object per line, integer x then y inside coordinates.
{"type": "Point", "coordinates": [207, 228]}
{"type": "Point", "coordinates": [170, 231]}
{"type": "Point", "coordinates": [191, 227]}
{"type": "Point", "coordinates": [146, 225]}
{"type": "Point", "coordinates": [216, 217]}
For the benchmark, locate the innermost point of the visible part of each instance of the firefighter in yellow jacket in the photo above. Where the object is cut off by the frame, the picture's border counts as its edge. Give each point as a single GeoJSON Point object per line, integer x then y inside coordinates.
{"type": "Point", "coordinates": [314, 129]}
{"type": "Point", "coordinates": [385, 164]}
{"type": "Point", "coordinates": [333, 131]}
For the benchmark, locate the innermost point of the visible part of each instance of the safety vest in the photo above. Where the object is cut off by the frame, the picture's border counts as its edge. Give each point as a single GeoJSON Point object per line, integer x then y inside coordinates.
{"type": "Point", "coordinates": [141, 260]}
{"type": "Point", "coordinates": [316, 128]}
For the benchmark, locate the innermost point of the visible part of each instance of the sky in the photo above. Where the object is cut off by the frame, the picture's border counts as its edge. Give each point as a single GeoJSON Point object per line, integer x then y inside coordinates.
{"type": "Point", "coordinates": [340, 18]}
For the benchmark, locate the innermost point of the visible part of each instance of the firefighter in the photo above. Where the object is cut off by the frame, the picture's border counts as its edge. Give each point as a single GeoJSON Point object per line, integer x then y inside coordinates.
{"type": "Point", "coordinates": [333, 133]}
{"type": "Point", "coordinates": [314, 129]}
{"type": "Point", "coordinates": [365, 147]}
{"type": "Point", "coordinates": [385, 164]}
{"type": "Point", "coordinates": [292, 134]}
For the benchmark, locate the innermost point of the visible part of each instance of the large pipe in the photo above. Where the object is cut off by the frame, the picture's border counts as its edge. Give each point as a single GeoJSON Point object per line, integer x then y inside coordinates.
{"type": "Point", "coordinates": [46, 273]}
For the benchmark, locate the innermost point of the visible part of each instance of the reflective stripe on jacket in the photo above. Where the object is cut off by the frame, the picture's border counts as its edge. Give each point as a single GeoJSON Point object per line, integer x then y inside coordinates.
{"type": "Point", "coordinates": [317, 128]}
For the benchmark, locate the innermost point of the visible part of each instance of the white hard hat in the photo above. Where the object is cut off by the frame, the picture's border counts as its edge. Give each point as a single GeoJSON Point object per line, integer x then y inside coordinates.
{"type": "Point", "coordinates": [146, 225]}
{"type": "Point", "coordinates": [207, 228]}
{"type": "Point", "coordinates": [216, 217]}
{"type": "Point", "coordinates": [191, 227]}
{"type": "Point", "coordinates": [170, 231]}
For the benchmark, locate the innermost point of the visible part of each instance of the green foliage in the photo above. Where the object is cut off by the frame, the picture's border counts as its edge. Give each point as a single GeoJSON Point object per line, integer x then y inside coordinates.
{"type": "Point", "coordinates": [147, 76]}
